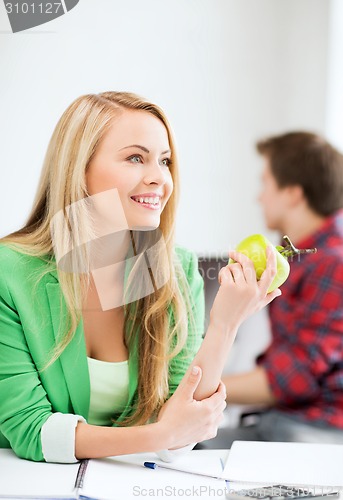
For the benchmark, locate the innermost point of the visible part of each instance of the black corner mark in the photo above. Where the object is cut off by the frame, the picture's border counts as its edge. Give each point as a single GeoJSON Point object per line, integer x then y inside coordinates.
{"type": "Point", "coordinates": [25, 15]}
{"type": "Point", "coordinates": [70, 4]}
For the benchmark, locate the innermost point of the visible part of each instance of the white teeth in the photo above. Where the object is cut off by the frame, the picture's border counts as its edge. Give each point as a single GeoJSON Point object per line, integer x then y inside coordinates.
{"type": "Point", "coordinates": [150, 200]}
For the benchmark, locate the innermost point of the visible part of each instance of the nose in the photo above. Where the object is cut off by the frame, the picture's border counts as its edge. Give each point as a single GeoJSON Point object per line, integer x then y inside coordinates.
{"type": "Point", "coordinates": [155, 173]}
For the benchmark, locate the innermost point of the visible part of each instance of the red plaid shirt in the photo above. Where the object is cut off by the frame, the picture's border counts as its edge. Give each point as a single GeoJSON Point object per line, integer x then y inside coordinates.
{"type": "Point", "coordinates": [304, 362]}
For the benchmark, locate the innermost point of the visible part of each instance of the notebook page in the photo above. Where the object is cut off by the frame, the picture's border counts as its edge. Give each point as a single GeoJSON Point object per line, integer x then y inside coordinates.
{"type": "Point", "coordinates": [126, 478]}
{"type": "Point", "coordinates": [19, 477]}
{"type": "Point", "coordinates": [285, 463]}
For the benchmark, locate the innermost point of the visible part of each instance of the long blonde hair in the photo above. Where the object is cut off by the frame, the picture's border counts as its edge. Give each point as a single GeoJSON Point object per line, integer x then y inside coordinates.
{"type": "Point", "coordinates": [62, 183]}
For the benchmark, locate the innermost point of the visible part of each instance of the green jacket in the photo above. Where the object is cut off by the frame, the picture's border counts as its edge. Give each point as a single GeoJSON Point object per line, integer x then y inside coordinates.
{"type": "Point", "coordinates": [29, 323]}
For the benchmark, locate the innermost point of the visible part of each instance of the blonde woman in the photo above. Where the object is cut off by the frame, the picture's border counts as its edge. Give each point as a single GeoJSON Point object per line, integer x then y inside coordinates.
{"type": "Point", "coordinates": [101, 313]}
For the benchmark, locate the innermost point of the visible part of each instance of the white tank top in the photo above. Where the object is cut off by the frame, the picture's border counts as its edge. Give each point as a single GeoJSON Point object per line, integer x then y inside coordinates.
{"type": "Point", "coordinates": [109, 390]}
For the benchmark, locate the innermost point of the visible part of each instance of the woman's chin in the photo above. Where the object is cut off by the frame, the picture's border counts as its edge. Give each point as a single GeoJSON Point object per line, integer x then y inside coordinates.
{"type": "Point", "coordinates": [144, 227]}
{"type": "Point", "coordinates": [144, 224]}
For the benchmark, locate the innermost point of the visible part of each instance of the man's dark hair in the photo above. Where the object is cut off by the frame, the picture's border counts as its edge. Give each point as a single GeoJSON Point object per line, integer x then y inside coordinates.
{"type": "Point", "coordinates": [308, 160]}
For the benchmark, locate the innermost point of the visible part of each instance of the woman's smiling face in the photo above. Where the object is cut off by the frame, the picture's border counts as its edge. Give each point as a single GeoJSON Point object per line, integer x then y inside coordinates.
{"type": "Point", "coordinates": [134, 157]}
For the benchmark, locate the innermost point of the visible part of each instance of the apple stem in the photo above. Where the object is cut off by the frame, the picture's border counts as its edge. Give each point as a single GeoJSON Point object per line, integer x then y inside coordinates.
{"type": "Point", "coordinates": [290, 250]}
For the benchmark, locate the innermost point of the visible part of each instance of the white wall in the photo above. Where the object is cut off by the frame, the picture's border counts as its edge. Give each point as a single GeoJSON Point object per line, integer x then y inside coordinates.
{"type": "Point", "coordinates": [225, 71]}
{"type": "Point", "coordinates": [334, 116]}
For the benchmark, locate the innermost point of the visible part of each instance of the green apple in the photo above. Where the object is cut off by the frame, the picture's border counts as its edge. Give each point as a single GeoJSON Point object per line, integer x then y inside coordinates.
{"type": "Point", "coordinates": [254, 247]}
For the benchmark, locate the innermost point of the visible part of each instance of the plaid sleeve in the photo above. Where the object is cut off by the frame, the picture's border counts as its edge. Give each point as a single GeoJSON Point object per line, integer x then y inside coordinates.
{"type": "Point", "coordinates": [307, 334]}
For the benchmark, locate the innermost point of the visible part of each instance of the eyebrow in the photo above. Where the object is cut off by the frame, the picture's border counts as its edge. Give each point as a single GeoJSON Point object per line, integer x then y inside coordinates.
{"type": "Point", "coordinates": [143, 149]}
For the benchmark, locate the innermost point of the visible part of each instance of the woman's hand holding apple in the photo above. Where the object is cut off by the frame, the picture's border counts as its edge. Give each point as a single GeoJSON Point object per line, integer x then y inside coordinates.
{"type": "Point", "coordinates": [240, 293]}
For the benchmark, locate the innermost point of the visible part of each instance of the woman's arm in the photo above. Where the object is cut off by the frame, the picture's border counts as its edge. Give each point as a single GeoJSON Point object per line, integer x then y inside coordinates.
{"type": "Point", "coordinates": [212, 356]}
{"type": "Point", "coordinates": [93, 441]}
{"type": "Point", "coordinates": [184, 420]}
{"type": "Point", "coordinates": [239, 296]}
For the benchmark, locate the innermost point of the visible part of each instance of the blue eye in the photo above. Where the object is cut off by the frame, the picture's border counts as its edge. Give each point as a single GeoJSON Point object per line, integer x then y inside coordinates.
{"type": "Point", "coordinates": [168, 162]}
{"type": "Point", "coordinates": [138, 159]}
{"type": "Point", "coordinates": [133, 159]}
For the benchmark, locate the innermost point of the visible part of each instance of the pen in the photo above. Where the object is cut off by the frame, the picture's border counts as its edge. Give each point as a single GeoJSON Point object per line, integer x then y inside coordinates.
{"type": "Point", "coordinates": [227, 482]}
{"type": "Point", "coordinates": [153, 465]}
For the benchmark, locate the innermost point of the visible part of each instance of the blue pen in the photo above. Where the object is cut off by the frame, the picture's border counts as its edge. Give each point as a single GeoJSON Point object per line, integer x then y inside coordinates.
{"type": "Point", "coordinates": [153, 465]}
{"type": "Point", "coordinates": [226, 480]}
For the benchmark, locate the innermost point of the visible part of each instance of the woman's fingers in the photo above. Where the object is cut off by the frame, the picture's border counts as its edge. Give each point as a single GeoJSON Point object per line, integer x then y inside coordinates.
{"type": "Point", "coordinates": [225, 274]}
{"type": "Point", "coordinates": [241, 271]}
{"type": "Point", "coordinates": [237, 273]}
{"type": "Point", "coordinates": [270, 271]}
{"type": "Point", "coordinates": [246, 266]}
{"type": "Point", "coordinates": [271, 296]}
{"type": "Point", "coordinates": [222, 389]}
{"type": "Point", "coordinates": [217, 401]}
{"type": "Point", "coordinates": [189, 383]}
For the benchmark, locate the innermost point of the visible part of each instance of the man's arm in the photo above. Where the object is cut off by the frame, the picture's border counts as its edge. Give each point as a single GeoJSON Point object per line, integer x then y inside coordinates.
{"type": "Point", "coordinates": [249, 388]}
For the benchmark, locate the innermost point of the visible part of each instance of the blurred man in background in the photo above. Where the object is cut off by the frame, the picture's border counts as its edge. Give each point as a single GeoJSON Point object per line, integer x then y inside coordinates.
{"type": "Point", "coordinates": [299, 378]}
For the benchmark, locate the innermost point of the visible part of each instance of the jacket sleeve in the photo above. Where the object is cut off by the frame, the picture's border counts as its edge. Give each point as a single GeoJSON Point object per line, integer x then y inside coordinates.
{"type": "Point", "coordinates": [25, 408]}
{"type": "Point", "coordinates": [58, 437]}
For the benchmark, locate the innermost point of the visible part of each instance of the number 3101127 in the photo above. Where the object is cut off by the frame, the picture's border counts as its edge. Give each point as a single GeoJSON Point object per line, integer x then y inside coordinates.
{"type": "Point", "coordinates": [33, 8]}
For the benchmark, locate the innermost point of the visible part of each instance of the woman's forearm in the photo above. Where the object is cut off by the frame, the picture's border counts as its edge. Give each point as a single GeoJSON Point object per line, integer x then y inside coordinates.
{"type": "Point", "coordinates": [211, 358]}
{"type": "Point", "coordinates": [240, 294]}
{"type": "Point", "coordinates": [92, 441]}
